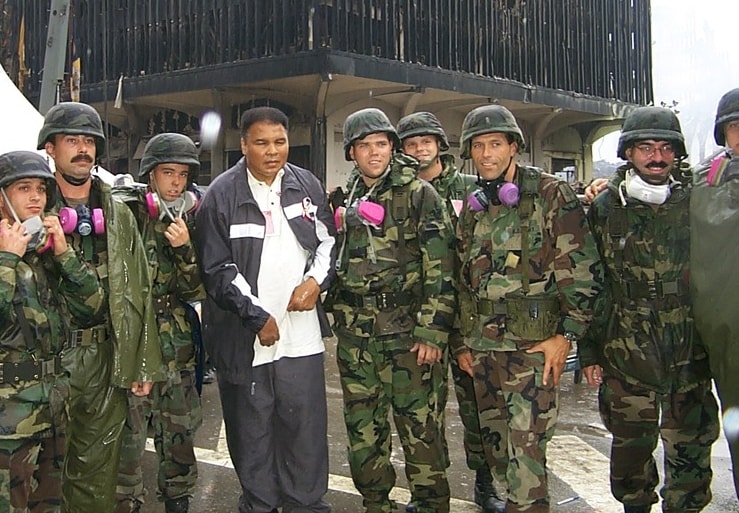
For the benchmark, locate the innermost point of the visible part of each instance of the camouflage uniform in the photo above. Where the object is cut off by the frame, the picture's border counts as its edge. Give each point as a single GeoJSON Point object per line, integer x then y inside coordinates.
{"type": "Point", "coordinates": [116, 349]}
{"type": "Point", "coordinates": [172, 408]}
{"type": "Point", "coordinates": [453, 187]}
{"type": "Point", "coordinates": [386, 297]}
{"type": "Point", "coordinates": [656, 381]}
{"type": "Point", "coordinates": [48, 289]}
{"type": "Point", "coordinates": [713, 217]}
{"type": "Point", "coordinates": [518, 413]}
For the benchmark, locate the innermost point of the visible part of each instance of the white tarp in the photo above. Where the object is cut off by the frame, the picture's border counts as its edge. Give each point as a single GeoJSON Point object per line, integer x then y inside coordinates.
{"type": "Point", "coordinates": [21, 121]}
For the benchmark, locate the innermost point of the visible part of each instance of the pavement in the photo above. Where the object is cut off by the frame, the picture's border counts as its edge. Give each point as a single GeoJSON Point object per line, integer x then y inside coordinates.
{"type": "Point", "coordinates": [577, 459]}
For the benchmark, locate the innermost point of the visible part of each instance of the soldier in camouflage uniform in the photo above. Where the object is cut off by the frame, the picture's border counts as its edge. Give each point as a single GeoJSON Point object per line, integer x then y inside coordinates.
{"type": "Point", "coordinates": [527, 290]}
{"type": "Point", "coordinates": [645, 355]}
{"type": "Point", "coordinates": [42, 284]}
{"type": "Point", "coordinates": [423, 137]}
{"type": "Point", "coordinates": [164, 211]}
{"type": "Point", "coordinates": [393, 304]}
{"type": "Point", "coordinates": [118, 350]}
{"type": "Point", "coordinates": [714, 218]}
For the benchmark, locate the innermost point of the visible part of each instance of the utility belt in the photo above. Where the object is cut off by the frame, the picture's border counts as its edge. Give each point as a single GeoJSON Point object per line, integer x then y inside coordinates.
{"type": "Point", "coordinates": [15, 372]}
{"type": "Point", "coordinates": [652, 289]}
{"type": "Point", "coordinates": [164, 304]}
{"type": "Point", "coordinates": [88, 336]}
{"type": "Point", "coordinates": [530, 317]}
{"type": "Point", "coordinates": [383, 301]}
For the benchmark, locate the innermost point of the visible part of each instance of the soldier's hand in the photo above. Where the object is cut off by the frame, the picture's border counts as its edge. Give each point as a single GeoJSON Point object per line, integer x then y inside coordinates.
{"type": "Point", "coordinates": [593, 375]}
{"type": "Point", "coordinates": [270, 333]}
{"type": "Point", "coordinates": [177, 233]}
{"type": "Point", "coordinates": [594, 188]}
{"type": "Point", "coordinates": [141, 388]}
{"type": "Point", "coordinates": [555, 351]}
{"type": "Point", "coordinates": [13, 238]}
{"type": "Point", "coordinates": [304, 296]}
{"type": "Point", "coordinates": [426, 353]}
{"type": "Point", "coordinates": [464, 360]}
{"type": "Point", "coordinates": [54, 229]}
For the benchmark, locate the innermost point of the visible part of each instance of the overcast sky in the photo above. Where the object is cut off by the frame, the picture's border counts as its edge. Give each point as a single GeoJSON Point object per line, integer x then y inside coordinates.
{"type": "Point", "coordinates": [695, 60]}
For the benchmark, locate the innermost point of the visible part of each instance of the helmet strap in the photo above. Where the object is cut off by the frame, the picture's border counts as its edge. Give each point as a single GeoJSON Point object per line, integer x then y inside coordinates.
{"type": "Point", "coordinates": [9, 205]}
{"type": "Point", "coordinates": [71, 180]}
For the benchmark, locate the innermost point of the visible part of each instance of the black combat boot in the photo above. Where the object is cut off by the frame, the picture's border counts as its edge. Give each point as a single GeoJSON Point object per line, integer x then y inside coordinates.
{"type": "Point", "coordinates": [485, 494]}
{"type": "Point", "coordinates": [181, 505]}
{"type": "Point", "coordinates": [637, 509]}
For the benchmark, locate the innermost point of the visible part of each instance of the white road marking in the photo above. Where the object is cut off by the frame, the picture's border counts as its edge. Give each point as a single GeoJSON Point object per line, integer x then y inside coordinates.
{"type": "Point", "coordinates": [573, 461]}
{"type": "Point", "coordinates": [584, 469]}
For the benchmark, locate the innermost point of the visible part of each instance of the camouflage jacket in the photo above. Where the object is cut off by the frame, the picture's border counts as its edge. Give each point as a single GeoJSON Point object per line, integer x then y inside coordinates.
{"type": "Point", "coordinates": [175, 276]}
{"type": "Point", "coordinates": [422, 271]}
{"type": "Point", "coordinates": [50, 290]}
{"type": "Point", "coordinates": [453, 187]}
{"type": "Point", "coordinates": [119, 260]}
{"type": "Point", "coordinates": [646, 333]}
{"type": "Point", "coordinates": [563, 263]}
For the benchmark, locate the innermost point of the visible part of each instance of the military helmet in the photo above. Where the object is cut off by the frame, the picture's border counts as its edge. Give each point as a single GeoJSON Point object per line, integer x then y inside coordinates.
{"type": "Point", "coordinates": [364, 122]}
{"type": "Point", "coordinates": [72, 118]}
{"type": "Point", "coordinates": [658, 123]}
{"type": "Point", "coordinates": [727, 110]}
{"type": "Point", "coordinates": [489, 119]}
{"type": "Point", "coordinates": [169, 148]}
{"type": "Point", "coordinates": [16, 165]}
{"type": "Point", "coordinates": [422, 123]}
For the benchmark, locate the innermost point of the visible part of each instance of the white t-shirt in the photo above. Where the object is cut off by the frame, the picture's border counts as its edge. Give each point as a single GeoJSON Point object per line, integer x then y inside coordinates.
{"type": "Point", "coordinates": [282, 268]}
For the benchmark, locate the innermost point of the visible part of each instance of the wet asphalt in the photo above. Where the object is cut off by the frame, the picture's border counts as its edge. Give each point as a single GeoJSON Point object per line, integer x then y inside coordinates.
{"type": "Point", "coordinates": [577, 459]}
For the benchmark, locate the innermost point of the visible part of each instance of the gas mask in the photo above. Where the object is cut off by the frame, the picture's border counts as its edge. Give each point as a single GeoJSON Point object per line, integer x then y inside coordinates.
{"type": "Point", "coordinates": [495, 192]}
{"type": "Point", "coordinates": [637, 188]}
{"type": "Point", "coordinates": [82, 219]}
{"type": "Point", "coordinates": [363, 212]}
{"type": "Point", "coordinates": [186, 203]}
{"type": "Point", "coordinates": [41, 240]}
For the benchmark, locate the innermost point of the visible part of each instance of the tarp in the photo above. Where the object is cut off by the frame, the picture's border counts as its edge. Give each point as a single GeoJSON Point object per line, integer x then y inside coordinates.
{"type": "Point", "coordinates": [21, 121]}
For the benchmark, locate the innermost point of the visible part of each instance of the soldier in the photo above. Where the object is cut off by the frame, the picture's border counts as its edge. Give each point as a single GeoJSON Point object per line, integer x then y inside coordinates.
{"type": "Point", "coordinates": [266, 250]}
{"type": "Point", "coordinates": [119, 349]}
{"type": "Point", "coordinates": [714, 219]}
{"type": "Point", "coordinates": [393, 305]}
{"type": "Point", "coordinates": [527, 289]}
{"type": "Point", "coordinates": [645, 355]}
{"type": "Point", "coordinates": [164, 211]}
{"type": "Point", "coordinates": [423, 137]}
{"type": "Point", "coordinates": [42, 285]}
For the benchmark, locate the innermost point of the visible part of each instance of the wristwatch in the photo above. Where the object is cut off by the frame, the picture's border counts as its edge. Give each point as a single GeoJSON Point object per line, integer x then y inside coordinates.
{"type": "Point", "coordinates": [570, 336]}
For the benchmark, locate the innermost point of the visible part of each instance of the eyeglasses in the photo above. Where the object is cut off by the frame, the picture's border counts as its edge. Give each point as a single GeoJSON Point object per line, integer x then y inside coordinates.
{"type": "Point", "coordinates": [649, 150]}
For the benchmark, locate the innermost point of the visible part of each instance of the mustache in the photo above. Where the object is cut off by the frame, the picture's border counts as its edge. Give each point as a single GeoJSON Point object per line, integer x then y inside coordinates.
{"type": "Point", "coordinates": [82, 157]}
{"type": "Point", "coordinates": [660, 165]}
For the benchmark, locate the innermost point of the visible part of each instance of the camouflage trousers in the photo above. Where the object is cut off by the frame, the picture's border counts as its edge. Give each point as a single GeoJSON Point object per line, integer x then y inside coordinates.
{"type": "Point", "coordinates": [687, 422]}
{"type": "Point", "coordinates": [377, 375]}
{"type": "Point", "coordinates": [97, 412]}
{"type": "Point", "coordinates": [464, 388]}
{"type": "Point", "coordinates": [173, 411]}
{"type": "Point", "coordinates": [518, 415]}
{"type": "Point", "coordinates": [31, 475]}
